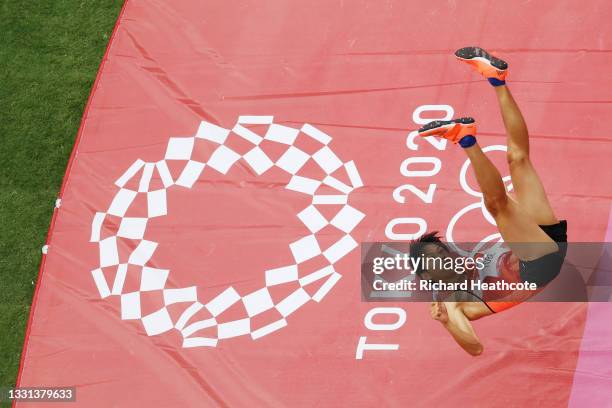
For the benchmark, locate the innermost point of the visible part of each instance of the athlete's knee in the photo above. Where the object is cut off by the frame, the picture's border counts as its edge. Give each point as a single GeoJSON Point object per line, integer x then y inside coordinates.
{"type": "Point", "coordinates": [496, 204]}
{"type": "Point", "coordinates": [517, 157]}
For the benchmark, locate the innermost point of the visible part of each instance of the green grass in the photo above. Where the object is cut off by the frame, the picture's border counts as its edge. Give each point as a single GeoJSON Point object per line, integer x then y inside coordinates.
{"type": "Point", "coordinates": [50, 52]}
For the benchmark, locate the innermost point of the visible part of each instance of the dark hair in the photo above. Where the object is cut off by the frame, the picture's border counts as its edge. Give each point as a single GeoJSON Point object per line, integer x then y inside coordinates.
{"type": "Point", "coordinates": [417, 247]}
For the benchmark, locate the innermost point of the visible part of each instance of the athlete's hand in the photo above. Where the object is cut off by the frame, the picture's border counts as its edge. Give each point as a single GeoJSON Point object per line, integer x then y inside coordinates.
{"type": "Point", "coordinates": [438, 312]}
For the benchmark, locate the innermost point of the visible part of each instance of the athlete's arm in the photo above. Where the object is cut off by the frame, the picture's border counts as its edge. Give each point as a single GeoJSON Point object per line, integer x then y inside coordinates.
{"type": "Point", "coordinates": [451, 316]}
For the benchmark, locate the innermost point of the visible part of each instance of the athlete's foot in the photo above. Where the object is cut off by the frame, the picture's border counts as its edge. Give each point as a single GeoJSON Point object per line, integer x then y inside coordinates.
{"type": "Point", "coordinates": [492, 68]}
{"type": "Point", "coordinates": [454, 130]}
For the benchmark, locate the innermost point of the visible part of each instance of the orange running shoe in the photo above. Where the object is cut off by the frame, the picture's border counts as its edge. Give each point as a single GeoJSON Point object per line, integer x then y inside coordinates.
{"type": "Point", "coordinates": [494, 69]}
{"type": "Point", "coordinates": [453, 130]}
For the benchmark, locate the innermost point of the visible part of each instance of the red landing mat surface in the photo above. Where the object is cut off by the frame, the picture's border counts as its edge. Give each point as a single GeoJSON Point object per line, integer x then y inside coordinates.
{"type": "Point", "coordinates": [234, 155]}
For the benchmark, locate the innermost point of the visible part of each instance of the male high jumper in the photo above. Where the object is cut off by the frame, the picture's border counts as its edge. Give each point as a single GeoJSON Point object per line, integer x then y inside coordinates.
{"type": "Point", "coordinates": [526, 222]}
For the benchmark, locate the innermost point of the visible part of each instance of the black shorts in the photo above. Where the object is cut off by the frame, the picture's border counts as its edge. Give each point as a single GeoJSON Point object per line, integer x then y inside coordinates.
{"type": "Point", "coordinates": [543, 270]}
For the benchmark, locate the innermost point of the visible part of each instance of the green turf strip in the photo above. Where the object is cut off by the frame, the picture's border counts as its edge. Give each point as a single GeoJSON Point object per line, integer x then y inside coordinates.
{"type": "Point", "coordinates": [50, 52]}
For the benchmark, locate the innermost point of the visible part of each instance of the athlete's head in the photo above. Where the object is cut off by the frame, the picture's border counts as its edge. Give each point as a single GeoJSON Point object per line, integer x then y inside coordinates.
{"type": "Point", "coordinates": [432, 251]}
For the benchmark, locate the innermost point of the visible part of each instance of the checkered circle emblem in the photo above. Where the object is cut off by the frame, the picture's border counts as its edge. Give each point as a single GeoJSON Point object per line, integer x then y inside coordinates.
{"type": "Point", "coordinates": [114, 267]}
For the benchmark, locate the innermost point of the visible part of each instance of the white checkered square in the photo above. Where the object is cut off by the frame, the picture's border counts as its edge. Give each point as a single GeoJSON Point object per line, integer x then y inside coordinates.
{"type": "Point", "coordinates": [281, 134]}
{"type": "Point", "coordinates": [292, 160]}
{"type": "Point", "coordinates": [327, 159]}
{"type": "Point", "coordinates": [222, 159]}
{"type": "Point", "coordinates": [179, 148]}
{"type": "Point", "coordinates": [212, 132]}
{"type": "Point", "coordinates": [347, 218]}
{"type": "Point", "coordinates": [257, 159]}
{"type": "Point", "coordinates": [257, 302]}
{"type": "Point", "coordinates": [132, 228]}
{"type": "Point", "coordinates": [312, 219]}
{"type": "Point", "coordinates": [305, 248]}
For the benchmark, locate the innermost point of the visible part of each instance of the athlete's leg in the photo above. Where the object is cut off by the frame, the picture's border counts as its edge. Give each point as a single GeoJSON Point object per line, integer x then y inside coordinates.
{"type": "Point", "coordinates": [528, 187]}
{"type": "Point", "coordinates": [514, 224]}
